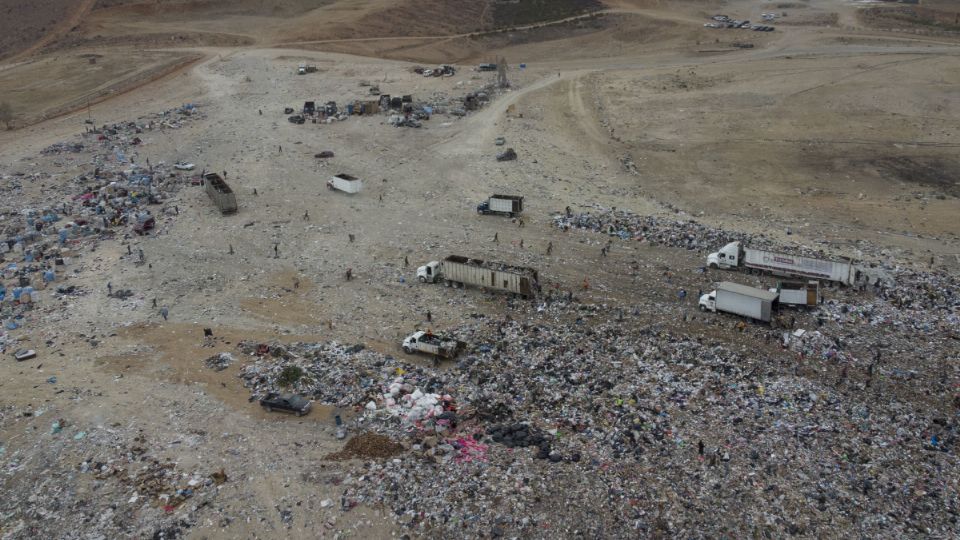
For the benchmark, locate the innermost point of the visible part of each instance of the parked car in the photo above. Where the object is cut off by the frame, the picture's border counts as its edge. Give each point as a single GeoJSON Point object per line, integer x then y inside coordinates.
{"type": "Point", "coordinates": [297, 119]}
{"type": "Point", "coordinates": [184, 166]}
{"type": "Point", "coordinates": [292, 403]}
{"type": "Point", "coordinates": [142, 227]}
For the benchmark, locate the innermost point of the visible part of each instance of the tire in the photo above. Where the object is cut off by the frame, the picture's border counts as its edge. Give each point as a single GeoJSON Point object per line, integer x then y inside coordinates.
{"type": "Point", "coordinates": [703, 307]}
{"type": "Point", "coordinates": [423, 279]}
{"type": "Point", "coordinates": [448, 283]}
{"type": "Point", "coordinates": [268, 408]}
{"type": "Point", "coordinates": [407, 350]}
{"type": "Point", "coordinates": [713, 266]}
{"type": "Point", "coordinates": [299, 413]}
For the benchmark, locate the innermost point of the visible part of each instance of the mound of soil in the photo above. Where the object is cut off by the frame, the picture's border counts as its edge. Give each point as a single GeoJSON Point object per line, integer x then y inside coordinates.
{"type": "Point", "coordinates": [367, 446]}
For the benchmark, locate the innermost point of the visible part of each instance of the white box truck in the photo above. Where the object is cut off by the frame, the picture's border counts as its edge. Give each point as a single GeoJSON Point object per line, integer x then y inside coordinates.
{"type": "Point", "coordinates": [457, 271]}
{"type": "Point", "coordinates": [740, 300]}
{"type": "Point", "coordinates": [507, 205]}
{"type": "Point", "coordinates": [734, 255]}
{"type": "Point", "coordinates": [345, 183]}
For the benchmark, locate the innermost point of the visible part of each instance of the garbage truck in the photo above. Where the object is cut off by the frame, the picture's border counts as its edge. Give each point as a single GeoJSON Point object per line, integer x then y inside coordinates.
{"type": "Point", "coordinates": [740, 300]}
{"type": "Point", "coordinates": [220, 193]}
{"type": "Point", "coordinates": [430, 343]}
{"type": "Point", "coordinates": [506, 205]}
{"type": "Point", "coordinates": [734, 255]}
{"type": "Point", "coordinates": [457, 271]}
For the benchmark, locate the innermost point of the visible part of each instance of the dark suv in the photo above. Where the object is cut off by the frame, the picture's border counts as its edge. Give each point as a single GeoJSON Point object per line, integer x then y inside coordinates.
{"type": "Point", "coordinates": [292, 403]}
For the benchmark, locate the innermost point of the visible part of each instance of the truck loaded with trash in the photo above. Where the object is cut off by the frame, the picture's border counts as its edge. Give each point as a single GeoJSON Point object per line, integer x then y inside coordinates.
{"type": "Point", "coordinates": [458, 271]}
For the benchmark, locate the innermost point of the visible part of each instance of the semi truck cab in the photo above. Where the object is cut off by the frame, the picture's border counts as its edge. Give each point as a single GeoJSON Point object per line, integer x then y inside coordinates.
{"type": "Point", "coordinates": [429, 273]}
{"type": "Point", "coordinates": [727, 257]}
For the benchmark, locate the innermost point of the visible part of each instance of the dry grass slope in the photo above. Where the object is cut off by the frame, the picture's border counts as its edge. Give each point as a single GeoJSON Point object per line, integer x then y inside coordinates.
{"type": "Point", "coordinates": [24, 23]}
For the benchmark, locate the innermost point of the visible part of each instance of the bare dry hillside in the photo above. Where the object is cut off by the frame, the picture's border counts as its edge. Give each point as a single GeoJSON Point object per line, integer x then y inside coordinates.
{"type": "Point", "coordinates": [24, 23]}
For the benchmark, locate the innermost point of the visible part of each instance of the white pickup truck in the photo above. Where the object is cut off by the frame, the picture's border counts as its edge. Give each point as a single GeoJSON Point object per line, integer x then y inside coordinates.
{"type": "Point", "coordinates": [430, 343]}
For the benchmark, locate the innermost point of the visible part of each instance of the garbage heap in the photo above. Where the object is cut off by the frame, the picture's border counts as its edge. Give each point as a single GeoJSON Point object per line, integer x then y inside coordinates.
{"type": "Point", "coordinates": [679, 233]}
{"type": "Point", "coordinates": [105, 483]}
{"type": "Point", "coordinates": [633, 431]}
{"type": "Point", "coordinates": [114, 191]}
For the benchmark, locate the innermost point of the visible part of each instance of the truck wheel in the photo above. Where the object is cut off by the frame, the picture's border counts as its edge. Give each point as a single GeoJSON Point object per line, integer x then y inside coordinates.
{"type": "Point", "coordinates": [703, 307]}
{"type": "Point", "coordinates": [423, 279]}
{"type": "Point", "coordinates": [268, 408]}
{"type": "Point", "coordinates": [713, 266]}
{"type": "Point", "coordinates": [407, 350]}
{"type": "Point", "coordinates": [448, 283]}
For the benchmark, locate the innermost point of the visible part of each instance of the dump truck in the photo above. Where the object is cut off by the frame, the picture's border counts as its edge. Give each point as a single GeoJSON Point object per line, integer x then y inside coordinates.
{"type": "Point", "coordinates": [507, 205]}
{"type": "Point", "coordinates": [345, 183]}
{"type": "Point", "coordinates": [430, 343]}
{"type": "Point", "coordinates": [303, 69]}
{"type": "Point", "coordinates": [798, 293]}
{"type": "Point", "coordinates": [740, 300]}
{"type": "Point", "coordinates": [457, 271]}
{"type": "Point", "coordinates": [734, 255]}
{"type": "Point", "coordinates": [220, 193]}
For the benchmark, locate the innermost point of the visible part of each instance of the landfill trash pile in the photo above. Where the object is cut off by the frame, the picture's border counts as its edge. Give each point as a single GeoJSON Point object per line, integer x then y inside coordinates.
{"type": "Point", "coordinates": [672, 232]}
{"type": "Point", "coordinates": [609, 416]}
{"type": "Point", "coordinates": [219, 362]}
{"type": "Point", "coordinates": [106, 483]}
{"type": "Point", "coordinates": [114, 190]}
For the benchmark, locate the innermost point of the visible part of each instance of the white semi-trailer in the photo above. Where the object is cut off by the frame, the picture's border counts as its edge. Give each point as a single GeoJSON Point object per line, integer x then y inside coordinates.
{"type": "Point", "coordinates": [734, 255]}
{"type": "Point", "coordinates": [740, 300]}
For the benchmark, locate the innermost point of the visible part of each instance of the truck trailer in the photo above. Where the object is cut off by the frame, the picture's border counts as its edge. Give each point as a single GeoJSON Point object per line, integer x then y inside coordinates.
{"type": "Point", "coordinates": [798, 293]}
{"type": "Point", "coordinates": [220, 193]}
{"type": "Point", "coordinates": [345, 183]}
{"type": "Point", "coordinates": [734, 255]}
{"type": "Point", "coordinates": [740, 300]}
{"type": "Point", "coordinates": [507, 205]}
{"type": "Point", "coordinates": [457, 271]}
